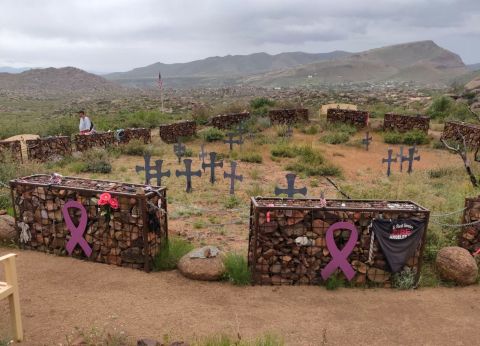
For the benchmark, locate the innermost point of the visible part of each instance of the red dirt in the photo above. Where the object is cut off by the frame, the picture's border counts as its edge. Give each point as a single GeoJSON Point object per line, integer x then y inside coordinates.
{"type": "Point", "coordinates": [59, 294]}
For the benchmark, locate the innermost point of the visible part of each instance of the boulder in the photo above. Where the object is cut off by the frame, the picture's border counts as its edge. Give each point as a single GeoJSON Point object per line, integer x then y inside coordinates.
{"type": "Point", "coordinates": [209, 267]}
{"type": "Point", "coordinates": [456, 264]}
{"type": "Point", "coordinates": [7, 228]}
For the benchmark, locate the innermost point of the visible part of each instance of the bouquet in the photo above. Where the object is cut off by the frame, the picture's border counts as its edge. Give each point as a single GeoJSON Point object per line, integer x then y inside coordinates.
{"type": "Point", "coordinates": [106, 204]}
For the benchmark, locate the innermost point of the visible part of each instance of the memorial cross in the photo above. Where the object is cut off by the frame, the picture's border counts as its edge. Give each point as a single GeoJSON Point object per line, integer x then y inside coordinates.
{"type": "Point", "coordinates": [188, 174]}
{"type": "Point", "coordinates": [231, 141]}
{"type": "Point", "coordinates": [148, 170]}
{"type": "Point", "coordinates": [212, 165]}
{"type": "Point", "coordinates": [389, 161]}
{"type": "Point", "coordinates": [290, 190]}
{"type": "Point", "coordinates": [179, 150]}
{"type": "Point", "coordinates": [232, 176]}
{"type": "Point", "coordinates": [366, 141]}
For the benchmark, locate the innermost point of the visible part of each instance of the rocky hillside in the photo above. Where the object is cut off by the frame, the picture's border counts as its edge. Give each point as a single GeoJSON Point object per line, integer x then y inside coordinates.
{"type": "Point", "coordinates": [422, 62]}
{"type": "Point", "coordinates": [218, 70]}
{"type": "Point", "coordinates": [55, 82]}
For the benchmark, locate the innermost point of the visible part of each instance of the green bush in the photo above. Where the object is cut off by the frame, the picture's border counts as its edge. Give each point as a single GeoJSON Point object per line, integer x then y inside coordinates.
{"type": "Point", "coordinates": [312, 163]}
{"type": "Point", "coordinates": [95, 161]}
{"type": "Point", "coordinates": [231, 202]}
{"type": "Point", "coordinates": [334, 282]}
{"type": "Point", "coordinates": [340, 127]}
{"type": "Point", "coordinates": [437, 173]}
{"type": "Point", "coordinates": [415, 137]}
{"type": "Point", "coordinates": [283, 150]}
{"type": "Point", "coordinates": [133, 148]}
{"type": "Point", "coordinates": [393, 137]}
{"type": "Point", "coordinates": [444, 107]}
{"type": "Point", "coordinates": [201, 113]}
{"type": "Point", "coordinates": [260, 102]}
{"type": "Point", "coordinates": [170, 253]}
{"type": "Point", "coordinates": [250, 157]}
{"type": "Point", "coordinates": [310, 130]}
{"type": "Point", "coordinates": [236, 269]}
{"type": "Point", "coordinates": [335, 138]}
{"type": "Point", "coordinates": [213, 134]}
{"type": "Point", "coordinates": [405, 279]}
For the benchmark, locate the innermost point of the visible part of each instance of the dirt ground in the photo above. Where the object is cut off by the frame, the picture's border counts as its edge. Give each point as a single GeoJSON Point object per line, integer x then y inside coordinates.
{"type": "Point", "coordinates": [59, 293]}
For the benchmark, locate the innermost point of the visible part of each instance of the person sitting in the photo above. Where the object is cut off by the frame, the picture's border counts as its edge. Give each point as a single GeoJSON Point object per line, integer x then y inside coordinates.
{"type": "Point", "coordinates": [86, 125]}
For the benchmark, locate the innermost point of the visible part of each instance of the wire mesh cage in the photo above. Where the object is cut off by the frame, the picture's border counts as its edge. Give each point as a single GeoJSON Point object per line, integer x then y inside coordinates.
{"type": "Point", "coordinates": [288, 242]}
{"type": "Point", "coordinates": [129, 236]}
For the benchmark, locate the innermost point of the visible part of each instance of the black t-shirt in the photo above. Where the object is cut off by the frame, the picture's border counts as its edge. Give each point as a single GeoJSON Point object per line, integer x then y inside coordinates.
{"type": "Point", "coordinates": [398, 240]}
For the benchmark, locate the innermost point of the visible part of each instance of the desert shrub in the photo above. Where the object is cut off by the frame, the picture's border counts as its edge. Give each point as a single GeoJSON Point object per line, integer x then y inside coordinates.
{"type": "Point", "coordinates": [437, 144]}
{"type": "Point", "coordinates": [65, 127]}
{"type": "Point", "coordinates": [252, 157]}
{"type": "Point", "coordinates": [236, 269]}
{"type": "Point", "coordinates": [263, 123]}
{"type": "Point", "coordinates": [170, 253]}
{"type": "Point", "coordinates": [261, 102]}
{"type": "Point", "coordinates": [133, 148]}
{"type": "Point", "coordinates": [283, 150]}
{"type": "Point", "coordinates": [415, 137]}
{"type": "Point", "coordinates": [127, 119]}
{"type": "Point", "coordinates": [405, 279]}
{"type": "Point", "coordinates": [312, 163]}
{"type": "Point", "coordinates": [201, 113]}
{"type": "Point", "coordinates": [392, 137]}
{"type": "Point", "coordinates": [226, 340]}
{"type": "Point", "coordinates": [340, 127]}
{"type": "Point", "coordinates": [310, 130]}
{"type": "Point", "coordinates": [188, 152]}
{"type": "Point", "coordinates": [335, 138]}
{"type": "Point", "coordinates": [96, 161]}
{"type": "Point", "coordinates": [437, 173]}
{"type": "Point", "coordinates": [281, 130]}
{"type": "Point", "coordinates": [213, 134]}
{"type": "Point", "coordinates": [444, 107]}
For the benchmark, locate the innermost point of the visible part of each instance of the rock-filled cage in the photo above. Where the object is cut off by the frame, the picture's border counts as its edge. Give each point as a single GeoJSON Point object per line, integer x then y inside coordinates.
{"type": "Point", "coordinates": [288, 245]}
{"type": "Point", "coordinates": [130, 236]}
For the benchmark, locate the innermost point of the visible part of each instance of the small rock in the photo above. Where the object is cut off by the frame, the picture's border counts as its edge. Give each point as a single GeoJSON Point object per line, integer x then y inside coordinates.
{"type": "Point", "coordinates": [208, 269]}
{"type": "Point", "coordinates": [7, 228]}
{"type": "Point", "coordinates": [457, 264]}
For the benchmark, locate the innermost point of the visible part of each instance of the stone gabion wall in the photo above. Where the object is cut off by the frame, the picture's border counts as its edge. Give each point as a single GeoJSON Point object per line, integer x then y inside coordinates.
{"type": "Point", "coordinates": [45, 149]}
{"type": "Point", "coordinates": [170, 133]}
{"type": "Point", "coordinates": [227, 121]}
{"type": "Point", "coordinates": [358, 119]}
{"type": "Point", "coordinates": [133, 134]}
{"type": "Point", "coordinates": [131, 238]}
{"type": "Point", "coordinates": [102, 140]}
{"type": "Point", "coordinates": [453, 130]}
{"type": "Point", "coordinates": [469, 237]}
{"type": "Point", "coordinates": [404, 123]}
{"type": "Point", "coordinates": [11, 149]}
{"type": "Point", "coordinates": [288, 116]}
{"type": "Point", "coordinates": [275, 258]}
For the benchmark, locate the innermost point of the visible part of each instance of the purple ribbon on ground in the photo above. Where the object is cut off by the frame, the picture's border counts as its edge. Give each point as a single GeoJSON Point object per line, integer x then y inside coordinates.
{"type": "Point", "coordinates": [339, 257]}
{"type": "Point", "coordinates": [76, 231]}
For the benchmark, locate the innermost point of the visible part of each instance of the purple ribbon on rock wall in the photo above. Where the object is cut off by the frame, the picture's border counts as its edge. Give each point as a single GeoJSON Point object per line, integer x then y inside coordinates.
{"type": "Point", "coordinates": [76, 231]}
{"type": "Point", "coordinates": [339, 257]}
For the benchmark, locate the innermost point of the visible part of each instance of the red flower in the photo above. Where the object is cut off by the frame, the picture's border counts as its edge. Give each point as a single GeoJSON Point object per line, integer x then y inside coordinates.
{"type": "Point", "coordinates": [102, 202]}
{"type": "Point", "coordinates": [104, 198]}
{"type": "Point", "coordinates": [114, 203]}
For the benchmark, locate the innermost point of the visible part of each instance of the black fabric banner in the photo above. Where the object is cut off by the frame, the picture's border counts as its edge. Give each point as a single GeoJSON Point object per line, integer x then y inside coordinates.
{"type": "Point", "coordinates": [398, 240]}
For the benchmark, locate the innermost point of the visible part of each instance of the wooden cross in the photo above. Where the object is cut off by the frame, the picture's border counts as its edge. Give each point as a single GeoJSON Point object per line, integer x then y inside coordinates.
{"type": "Point", "coordinates": [389, 160]}
{"type": "Point", "coordinates": [231, 141]}
{"type": "Point", "coordinates": [401, 157]}
{"type": "Point", "coordinates": [410, 158]}
{"type": "Point", "coordinates": [290, 190]}
{"type": "Point", "coordinates": [366, 141]}
{"type": "Point", "coordinates": [212, 165]}
{"type": "Point", "coordinates": [148, 170]}
{"type": "Point", "coordinates": [232, 176]}
{"type": "Point", "coordinates": [202, 155]}
{"type": "Point", "coordinates": [179, 150]}
{"type": "Point", "coordinates": [188, 174]}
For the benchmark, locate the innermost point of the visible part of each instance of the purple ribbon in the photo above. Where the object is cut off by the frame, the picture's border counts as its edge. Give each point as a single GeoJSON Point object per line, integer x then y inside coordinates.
{"type": "Point", "coordinates": [339, 257]}
{"type": "Point", "coordinates": [76, 231]}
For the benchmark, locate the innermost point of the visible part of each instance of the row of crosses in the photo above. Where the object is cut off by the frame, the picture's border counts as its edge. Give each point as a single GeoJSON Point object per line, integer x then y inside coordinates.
{"type": "Point", "coordinates": [410, 158]}
{"type": "Point", "coordinates": [155, 171]}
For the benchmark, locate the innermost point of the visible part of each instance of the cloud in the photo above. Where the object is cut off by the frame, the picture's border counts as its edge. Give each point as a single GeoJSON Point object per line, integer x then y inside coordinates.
{"type": "Point", "coordinates": [113, 35]}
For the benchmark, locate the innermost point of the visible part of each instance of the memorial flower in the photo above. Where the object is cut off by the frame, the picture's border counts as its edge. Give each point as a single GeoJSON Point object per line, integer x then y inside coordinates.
{"type": "Point", "coordinates": [106, 203]}
{"type": "Point", "coordinates": [114, 203]}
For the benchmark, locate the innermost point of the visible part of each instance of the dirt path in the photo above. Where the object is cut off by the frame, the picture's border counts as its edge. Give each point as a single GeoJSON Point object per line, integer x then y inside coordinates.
{"type": "Point", "coordinates": [59, 294]}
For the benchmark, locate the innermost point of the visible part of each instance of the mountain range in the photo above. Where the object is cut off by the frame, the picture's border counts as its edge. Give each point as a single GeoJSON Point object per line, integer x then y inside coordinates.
{"type": "Point", "coordinates": [423, 62]}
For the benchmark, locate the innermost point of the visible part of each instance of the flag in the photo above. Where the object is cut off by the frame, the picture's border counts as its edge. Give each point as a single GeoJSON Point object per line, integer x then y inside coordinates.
{"type": "Point", "coordinates": [160, 81]}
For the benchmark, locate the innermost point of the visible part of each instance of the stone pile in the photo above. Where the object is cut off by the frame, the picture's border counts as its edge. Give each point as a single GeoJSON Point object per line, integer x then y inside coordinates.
{"type": "Point", "coordinates": [138, 133]}
{"type": "Point", "coordinates": [404, 123]}
{"type": "Point", "coordinates": [11, 149]}
{"type": "Point", "coordinates": [358, 119]}
{"type": "Point", "coordinates": [130, 238]}
{"type": "Point", "coordinates": [95, 140]}
{"type": "Point", "coordinates": [49, 148]}
{"type": "Point", "coordinates": [453, 130]}
{"type": "Point", "coordinates": [287, 241]}
{"type": "Point", "coordinates": [172, 132]}
{"type": "Point", "coordinates": [469, 237]}
{"type": "Point", "coordinates": [227, 121]}
{"type": "Point", "coordinates": [288, 116]}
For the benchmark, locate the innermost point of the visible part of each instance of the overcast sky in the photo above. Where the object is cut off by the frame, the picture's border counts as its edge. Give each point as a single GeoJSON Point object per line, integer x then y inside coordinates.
{"type": "Point", "coordinates": [118, 35]}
